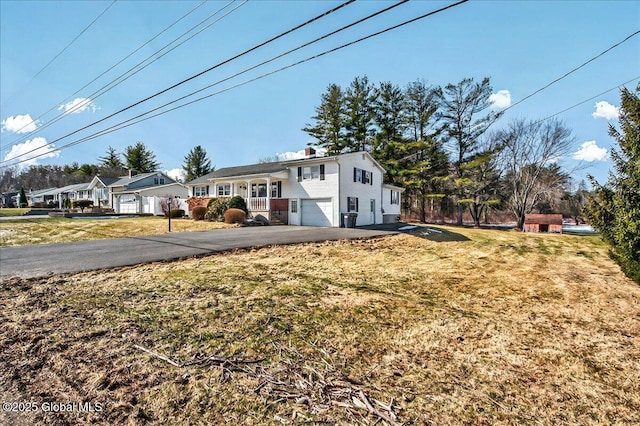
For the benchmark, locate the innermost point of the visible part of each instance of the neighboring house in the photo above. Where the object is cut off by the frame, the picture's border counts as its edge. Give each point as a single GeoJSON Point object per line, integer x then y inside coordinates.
{"type": "Point", "coordinates": [543, 223]}
{"type": "Point", "coordinates": [314, 191]}
{"type": "Point", "coordinates": [140, 193]}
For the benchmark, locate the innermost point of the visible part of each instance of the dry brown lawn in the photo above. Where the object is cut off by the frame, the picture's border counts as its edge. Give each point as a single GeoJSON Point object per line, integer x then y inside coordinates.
{"type": "Point", "coordinates": [458, 327]}
{"type": "Point", "coordinates": [57, 230]}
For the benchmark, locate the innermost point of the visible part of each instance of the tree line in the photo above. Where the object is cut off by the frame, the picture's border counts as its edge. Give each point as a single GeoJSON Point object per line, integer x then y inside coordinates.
{"type": "Point", "coordinates": [113, 164]}
{"type": "Point", "coordinates": [436, 142]}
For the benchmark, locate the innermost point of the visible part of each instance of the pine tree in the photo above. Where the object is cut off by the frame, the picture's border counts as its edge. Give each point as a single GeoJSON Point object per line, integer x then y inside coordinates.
{"type": "Point", "coordinates": [111, 164]}
{"type": "Point", "coordinates": [138, 157]}
{"type": "Point", "coordinates": [22, 200]}
{"type": "Point", "coordinates": [614, 209]}
{"type": "Point", "coordinates": [330, 121]}
{"type": "Point", "coordinates": [359, 109]}
{"type": "Point", "coordinates": [196, 163]}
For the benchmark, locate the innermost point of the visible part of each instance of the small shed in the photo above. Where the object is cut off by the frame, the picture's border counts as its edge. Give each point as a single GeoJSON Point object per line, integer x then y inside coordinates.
{"type": "Point", "coordinates": [543, 223]}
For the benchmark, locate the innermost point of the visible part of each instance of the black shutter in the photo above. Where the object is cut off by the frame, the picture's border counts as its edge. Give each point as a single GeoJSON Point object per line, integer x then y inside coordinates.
{"type": "Point", "coordinates": [355, 174]}
{"type": "Point", "coordinates": [321, 171]}
{"type": "Point", "coordinates": [357, 205]}
{"type": "Point", "coordinates": [279, 189]}
{"type": "Point", "coordinates": [371, 178]}
{"type": "Point", "coordinates": [299, 174]}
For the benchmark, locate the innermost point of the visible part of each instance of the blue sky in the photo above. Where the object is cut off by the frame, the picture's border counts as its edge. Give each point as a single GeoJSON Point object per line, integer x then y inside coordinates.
{"type": "Point", "coordinates": [520, 45]}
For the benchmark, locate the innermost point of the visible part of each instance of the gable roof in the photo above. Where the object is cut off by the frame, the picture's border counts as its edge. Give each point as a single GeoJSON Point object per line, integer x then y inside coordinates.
{"type": "Point", "coordinates": [126, 180]}
{"type": "Point", "coordinates": [250, 169]}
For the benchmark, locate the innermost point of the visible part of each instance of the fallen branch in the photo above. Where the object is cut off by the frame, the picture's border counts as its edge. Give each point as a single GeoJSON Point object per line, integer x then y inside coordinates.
{"type": "Point", "coordinates": [157, 355]}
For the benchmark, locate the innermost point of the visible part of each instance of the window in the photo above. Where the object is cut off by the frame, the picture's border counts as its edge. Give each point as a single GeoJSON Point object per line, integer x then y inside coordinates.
{"type": "Point", "coordinates": [362, 176]}
{"type": "Point", "coordinates": [258, 189]}
{"type": "Point", "coordinates": [357, 175]}
{"type": "Point", "coordinates": [352, 204]}
{"type": "Point", "coordinates": [276, 189]}
{"type": "Point", "coordinates": [200, 191]}
{"type": "Point", "coordinates": [395, 197]}
{"type": "Point", "coordinates": [367, 177]}
{"type": "Point", "coordinates": [224, 190]}
{"type": "Point", "coordinates": [311, 173]}
{"type": "Point", "coordinates": [158, 181]}
{"type": "Point", "coordinates": [294, 206]}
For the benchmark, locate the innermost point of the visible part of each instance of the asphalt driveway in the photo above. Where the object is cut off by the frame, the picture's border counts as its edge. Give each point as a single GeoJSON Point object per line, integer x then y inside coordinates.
{"type": "Point", "coordinates": [48, 259]}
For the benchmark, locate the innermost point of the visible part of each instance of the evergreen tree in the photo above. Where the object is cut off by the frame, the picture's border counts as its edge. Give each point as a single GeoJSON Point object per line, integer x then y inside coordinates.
{"type": "Point", "coordinates": [390, 118]}
{"type": "Point", "coordinates": [111, 164]}
{"type": "Point", "coordinates": [614, 208]}
{"type": "Point", "coordinates": [330, 121]}
{"type": "Point", "coordinates": [461, 106]}
{"type": "Point", "coordinates": [138, 157]}
{"type": "Point", "coordinates": [359, 99]}
{"type": "Point", "coordinates": [22, 199]}
{"type": "Point", "coordinates": [196, 163]}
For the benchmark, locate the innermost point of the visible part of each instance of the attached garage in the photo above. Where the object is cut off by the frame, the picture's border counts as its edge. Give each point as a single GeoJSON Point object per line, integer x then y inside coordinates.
{"type": "Point", "coordinates": [317, 212]}
{"type": "Point", "coordinates": [128, 203]}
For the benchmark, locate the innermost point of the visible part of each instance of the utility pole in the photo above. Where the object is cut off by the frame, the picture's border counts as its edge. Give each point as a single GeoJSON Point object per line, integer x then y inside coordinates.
{"type": "Point", "coordinates": [170, 214]}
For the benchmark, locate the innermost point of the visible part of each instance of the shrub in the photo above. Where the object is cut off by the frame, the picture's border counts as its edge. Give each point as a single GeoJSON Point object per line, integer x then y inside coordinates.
{"type": "Point", "coordinates": [52, 204]}
{"type": "Point", "coordinates": [177, 213]}
{"type": "Point", "coordinates": [82, 204]}
{"type": "Point", "coordinates": [237, 202]}
{"type": "Point", "coordinates": [234, 216]}
{"type": "Point", "coordinates": [198, 213]}
{"type": "Point", "coordinates": [216, 209]}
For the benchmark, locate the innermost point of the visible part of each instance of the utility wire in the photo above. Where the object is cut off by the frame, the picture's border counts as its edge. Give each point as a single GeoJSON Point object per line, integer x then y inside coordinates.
{"type": "Point", "coordinates": [110, 68]}
{"type": "Point", "coordinates": [572, 71]}
{"type": "Point", "coordinates": [63, 50]}
{"type": "Point", "coordinates": [132, 121]}
{"type": "Point", "coordinates": [219, 64]}
{"type": "Point", "coordinates": [133, 71]}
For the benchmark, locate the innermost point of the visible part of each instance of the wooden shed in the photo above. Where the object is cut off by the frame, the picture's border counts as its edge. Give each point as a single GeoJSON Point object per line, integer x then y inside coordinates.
{"type": "Point", "coordinates": [543, 223]}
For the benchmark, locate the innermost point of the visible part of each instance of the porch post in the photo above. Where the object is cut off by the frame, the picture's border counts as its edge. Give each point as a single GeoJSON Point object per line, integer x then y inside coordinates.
{"type": "Point", "coordinates": [248, 195]}
{"type": "Point", "coordinates": [268, 206]}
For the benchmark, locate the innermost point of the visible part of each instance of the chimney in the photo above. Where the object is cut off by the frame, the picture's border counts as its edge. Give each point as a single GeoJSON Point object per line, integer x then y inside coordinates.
{"type": "Point", "coordinates": [309, 152]}
{"type": "Point", "coordinates": [132, 172]}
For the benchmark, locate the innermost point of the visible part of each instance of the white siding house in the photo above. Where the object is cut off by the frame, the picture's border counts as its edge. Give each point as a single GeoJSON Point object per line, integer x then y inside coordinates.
{"type": "Point", "coordinates": [314, 191]}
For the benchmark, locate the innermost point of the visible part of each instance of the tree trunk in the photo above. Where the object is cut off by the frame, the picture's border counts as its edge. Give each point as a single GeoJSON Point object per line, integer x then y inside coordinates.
{"type": "Point", "coordinates": [460, 213]}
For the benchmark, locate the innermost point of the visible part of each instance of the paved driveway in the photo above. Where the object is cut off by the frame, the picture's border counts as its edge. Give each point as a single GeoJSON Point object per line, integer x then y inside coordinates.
{"type": "Point", "coordinates": [46, 259]}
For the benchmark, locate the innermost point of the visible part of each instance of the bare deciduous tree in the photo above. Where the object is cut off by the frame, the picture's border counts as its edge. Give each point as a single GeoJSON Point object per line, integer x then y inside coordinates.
{"type": "Point", "coordinates": [531, 153]}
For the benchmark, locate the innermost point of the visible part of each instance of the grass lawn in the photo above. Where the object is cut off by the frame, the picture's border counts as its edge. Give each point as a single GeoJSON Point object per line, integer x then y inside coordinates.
{"type": "Point", "coordinates": [4, 212]}
{"type": "Point", "coordinates": [461, 326]}
{"type": "Point", "coordinates": [58, 230]}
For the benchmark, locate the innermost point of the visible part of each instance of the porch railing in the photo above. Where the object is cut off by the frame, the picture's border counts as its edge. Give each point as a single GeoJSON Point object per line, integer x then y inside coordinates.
{"type": "Point", "coordinates": [258, 204]}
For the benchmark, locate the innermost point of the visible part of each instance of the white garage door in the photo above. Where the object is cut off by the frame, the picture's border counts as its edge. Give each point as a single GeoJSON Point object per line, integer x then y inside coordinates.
{"type": "Point", "coordinates": [128, 204]}
{"type": "Point", "coordinates": [317, 212]}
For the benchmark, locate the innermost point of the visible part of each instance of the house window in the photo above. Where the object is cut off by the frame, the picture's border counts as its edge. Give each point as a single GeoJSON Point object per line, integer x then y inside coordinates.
{"type": "Point", "coordinates": [259, 190]}
{"type": "Point", "coordinates": [357, 175]}
{"type": "Point", "coordinates": [395, 197]}
{"type": "Point", "coordinates": [158, 181]}
{"type": "Point", "coordinates": [294, 206]}
{"type": "Point", "coordinates": [352, 204]}
{"type": "Point", "coordinates": [367, 177]}
{"type": "Point", "coordinates": [200, 191]}
{"type": "Point", "coordinates": [276, 189]}
{"type": "Point", "coordinates": [311, 173]}
{"type": "Point", "coordinates": [224, 190]}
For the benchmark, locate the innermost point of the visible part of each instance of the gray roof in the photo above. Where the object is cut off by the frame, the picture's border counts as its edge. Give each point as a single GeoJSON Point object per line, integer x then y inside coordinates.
{"type": "Point", "coordinates": [126, 180]}
{"type": "Point", "coordinates": [250, 169]}
{"type": "Point", "coordinates": [107, 180]}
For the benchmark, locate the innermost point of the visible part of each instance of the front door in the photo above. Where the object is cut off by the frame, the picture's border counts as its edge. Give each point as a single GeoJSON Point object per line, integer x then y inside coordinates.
{"type": "Point", "coordinates": [373, 212]}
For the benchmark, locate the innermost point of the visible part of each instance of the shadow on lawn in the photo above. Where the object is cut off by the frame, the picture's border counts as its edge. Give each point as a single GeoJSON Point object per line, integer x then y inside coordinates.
{"type": "Point", "coordinates": [432, 233]}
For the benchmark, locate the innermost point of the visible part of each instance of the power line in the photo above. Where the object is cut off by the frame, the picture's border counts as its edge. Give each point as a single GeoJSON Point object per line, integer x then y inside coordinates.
{"type": "Point", "coordinates": [572, 71]}
{"type": "Point", "coordinates": [219, 64]}
{"type": "Point", "coordinates": [132, 121]}
{"type": "Point", "coordinates": [130, 72]}
{"type": "Point", "coordinates": [63, 50]}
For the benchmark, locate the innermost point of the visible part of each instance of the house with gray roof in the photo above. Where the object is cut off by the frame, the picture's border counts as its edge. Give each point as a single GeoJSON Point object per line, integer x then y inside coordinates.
{"type": "Point", "coordinates": [313, 191]}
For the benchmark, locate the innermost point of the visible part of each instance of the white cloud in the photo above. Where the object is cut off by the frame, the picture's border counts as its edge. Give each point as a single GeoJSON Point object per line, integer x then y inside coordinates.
{"type": "Point", "coordinates": [502, 99]}
{"type": "Point", "coordinates": [78, 105]}
{"type": "Point", "coordinates": [31, 148]}
{"type": "Point", "coordinates": [296, 155]}
{"type": "Point", "coordinates": [178, 174]}
{"type": "Point", "coordinates": [605, 110]}
{"type": "Point", "coordinates": [19, 124]}
{"type": "Point", "coordinates": [590, 151]}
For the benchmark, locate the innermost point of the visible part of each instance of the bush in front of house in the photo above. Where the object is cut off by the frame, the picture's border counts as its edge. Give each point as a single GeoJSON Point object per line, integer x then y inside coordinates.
{"type": "Point", "coordinates": [237, 202]}
{"type": "Point", "coordinates": [82, 204]}
{"type": "Point", "coordinates": [234, 216]}
{"type": "Point", "coordinates": [177, 213]}
{"type": "Point", "coordinates": [198, 213]}
{"type": "Point", "coordinates": [216, 209]}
